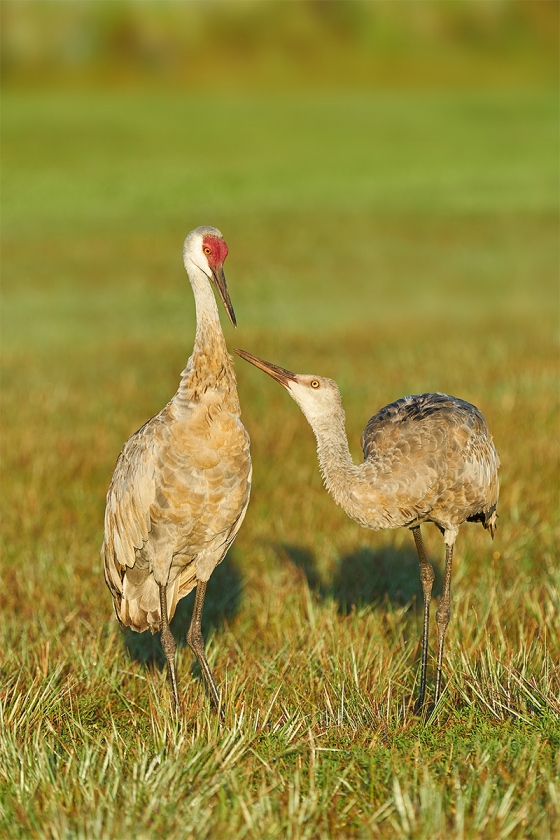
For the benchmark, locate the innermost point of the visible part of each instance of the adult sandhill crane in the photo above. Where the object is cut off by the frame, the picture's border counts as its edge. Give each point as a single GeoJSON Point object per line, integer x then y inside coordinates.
{"type": "Point", "coordinates": [427, 458]}
{"type": "Point", "coordinates": [181, 484]}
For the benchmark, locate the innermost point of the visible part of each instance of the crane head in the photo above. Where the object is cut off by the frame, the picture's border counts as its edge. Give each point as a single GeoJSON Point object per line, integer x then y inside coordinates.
{"type": "Point", "coordinates": [207, 248]}
{"type": "Point", "coordinates": [317, 396]}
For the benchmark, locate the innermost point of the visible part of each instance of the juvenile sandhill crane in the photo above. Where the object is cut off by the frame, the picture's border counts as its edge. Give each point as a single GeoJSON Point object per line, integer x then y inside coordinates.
{"type": "Point", "coordinates": [181, 484]}
{"type": "Point", "coordinates": [427, 458]}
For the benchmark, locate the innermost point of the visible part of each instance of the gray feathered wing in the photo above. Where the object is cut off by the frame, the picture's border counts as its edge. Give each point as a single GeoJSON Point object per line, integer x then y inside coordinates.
{"type": "Point", "coordinates": [434, 460]}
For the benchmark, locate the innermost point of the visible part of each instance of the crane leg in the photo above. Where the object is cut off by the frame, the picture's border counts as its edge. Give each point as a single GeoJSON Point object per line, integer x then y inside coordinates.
{"type": "Point", "coordinates": [442, 616]}
{"type": "Point", "coordinates": [168, 643]}
{"type": "Point", "coordinates": [427, 578]}
{"type": "Point", "coordinates": [196, 642]}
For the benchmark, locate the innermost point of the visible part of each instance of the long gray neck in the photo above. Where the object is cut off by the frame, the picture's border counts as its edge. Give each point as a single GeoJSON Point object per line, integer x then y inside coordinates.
{"type": "Point", "coordinates": [340, 474]}
{"type": "Point", "coordinates": [351, 485]}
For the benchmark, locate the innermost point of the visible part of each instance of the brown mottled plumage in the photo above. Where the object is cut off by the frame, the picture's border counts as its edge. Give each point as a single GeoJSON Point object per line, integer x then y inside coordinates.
{"type": "Point", "coordinates": [181, 484]}
{"type": "Point", "coordinates": [427, 458]}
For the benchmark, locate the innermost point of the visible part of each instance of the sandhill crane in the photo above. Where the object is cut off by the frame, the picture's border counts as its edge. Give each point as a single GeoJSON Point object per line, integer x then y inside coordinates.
{"type": "Point", "coordinates": [427, 458]}
{"type": "Point", "coordinates": [181, 483]}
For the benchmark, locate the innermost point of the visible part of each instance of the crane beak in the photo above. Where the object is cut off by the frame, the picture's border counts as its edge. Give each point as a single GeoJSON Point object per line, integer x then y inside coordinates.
{"type": "Point", "coordinates": [281, 375]}
{"type": "Point", "coordinates": [221, 285]}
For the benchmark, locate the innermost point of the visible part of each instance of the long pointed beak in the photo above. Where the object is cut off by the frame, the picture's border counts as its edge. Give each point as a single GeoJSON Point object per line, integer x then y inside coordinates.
{"type": "Point", "coordinates": [281, 375]}
{"type": "Point", "coordinates": [221, 285]}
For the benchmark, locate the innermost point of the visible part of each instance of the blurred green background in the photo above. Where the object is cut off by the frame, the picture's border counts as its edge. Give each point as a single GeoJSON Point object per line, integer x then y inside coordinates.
{"type": "Point", "coordinates": [330, 140]}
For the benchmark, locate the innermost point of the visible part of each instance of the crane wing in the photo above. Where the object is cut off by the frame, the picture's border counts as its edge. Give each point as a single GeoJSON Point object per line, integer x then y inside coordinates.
{"type": "Point", "coordinates": [130, 497]}
{"type": "Point", "coordinates": [421, 421]}
{"type": "Point", "coordinates": [435, 453]}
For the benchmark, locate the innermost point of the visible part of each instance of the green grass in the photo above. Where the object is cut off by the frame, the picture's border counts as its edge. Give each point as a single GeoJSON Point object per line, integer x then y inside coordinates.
{"type": "Point", "coordinates": [398, 243]}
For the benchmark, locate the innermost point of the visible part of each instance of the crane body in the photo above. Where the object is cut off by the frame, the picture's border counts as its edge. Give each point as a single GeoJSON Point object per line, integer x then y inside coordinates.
{"type": "Point", "coordinates": [427, 458]}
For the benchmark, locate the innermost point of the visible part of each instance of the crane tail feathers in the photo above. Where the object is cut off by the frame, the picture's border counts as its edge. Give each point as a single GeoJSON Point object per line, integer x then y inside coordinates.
{"type": "Point", "coordinates": [491, 522]}
{"type": "Point", "coordinates": [136, 598]}
{"type": "Point", "coordinates": [488, 518]}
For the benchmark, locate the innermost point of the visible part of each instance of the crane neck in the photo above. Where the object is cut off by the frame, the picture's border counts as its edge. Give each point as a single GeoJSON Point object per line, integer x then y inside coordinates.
{"type": "Point", "coordinates": [209, 337]}
{"type": "Point", "coordinates": [351, 485]}
{"type": "Point", "coordinates": [340, 473]}
{"type": "Point", "coordinates": [210, 365]}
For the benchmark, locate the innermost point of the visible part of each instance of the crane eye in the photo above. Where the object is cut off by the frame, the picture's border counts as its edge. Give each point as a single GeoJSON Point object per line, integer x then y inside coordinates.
{"type": "Point", "coordinates": [207, 250]}
{"type": "Point", "coordinates": [314, 383]}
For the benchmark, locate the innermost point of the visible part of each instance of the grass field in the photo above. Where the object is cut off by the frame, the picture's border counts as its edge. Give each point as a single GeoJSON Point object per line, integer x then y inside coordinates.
{"type": "Point", "coordinates": [398, 243]}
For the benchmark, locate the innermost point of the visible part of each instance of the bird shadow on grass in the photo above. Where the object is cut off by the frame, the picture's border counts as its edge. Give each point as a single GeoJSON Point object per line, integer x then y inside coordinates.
{"type": "Point", "coordinates": [220, 605]}
{"type": "Point", "coordinates": [365, 576]}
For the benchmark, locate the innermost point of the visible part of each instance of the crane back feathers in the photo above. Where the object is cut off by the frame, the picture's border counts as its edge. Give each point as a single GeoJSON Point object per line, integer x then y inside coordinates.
{"type": "Point", "coordinates": [431, 457]}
